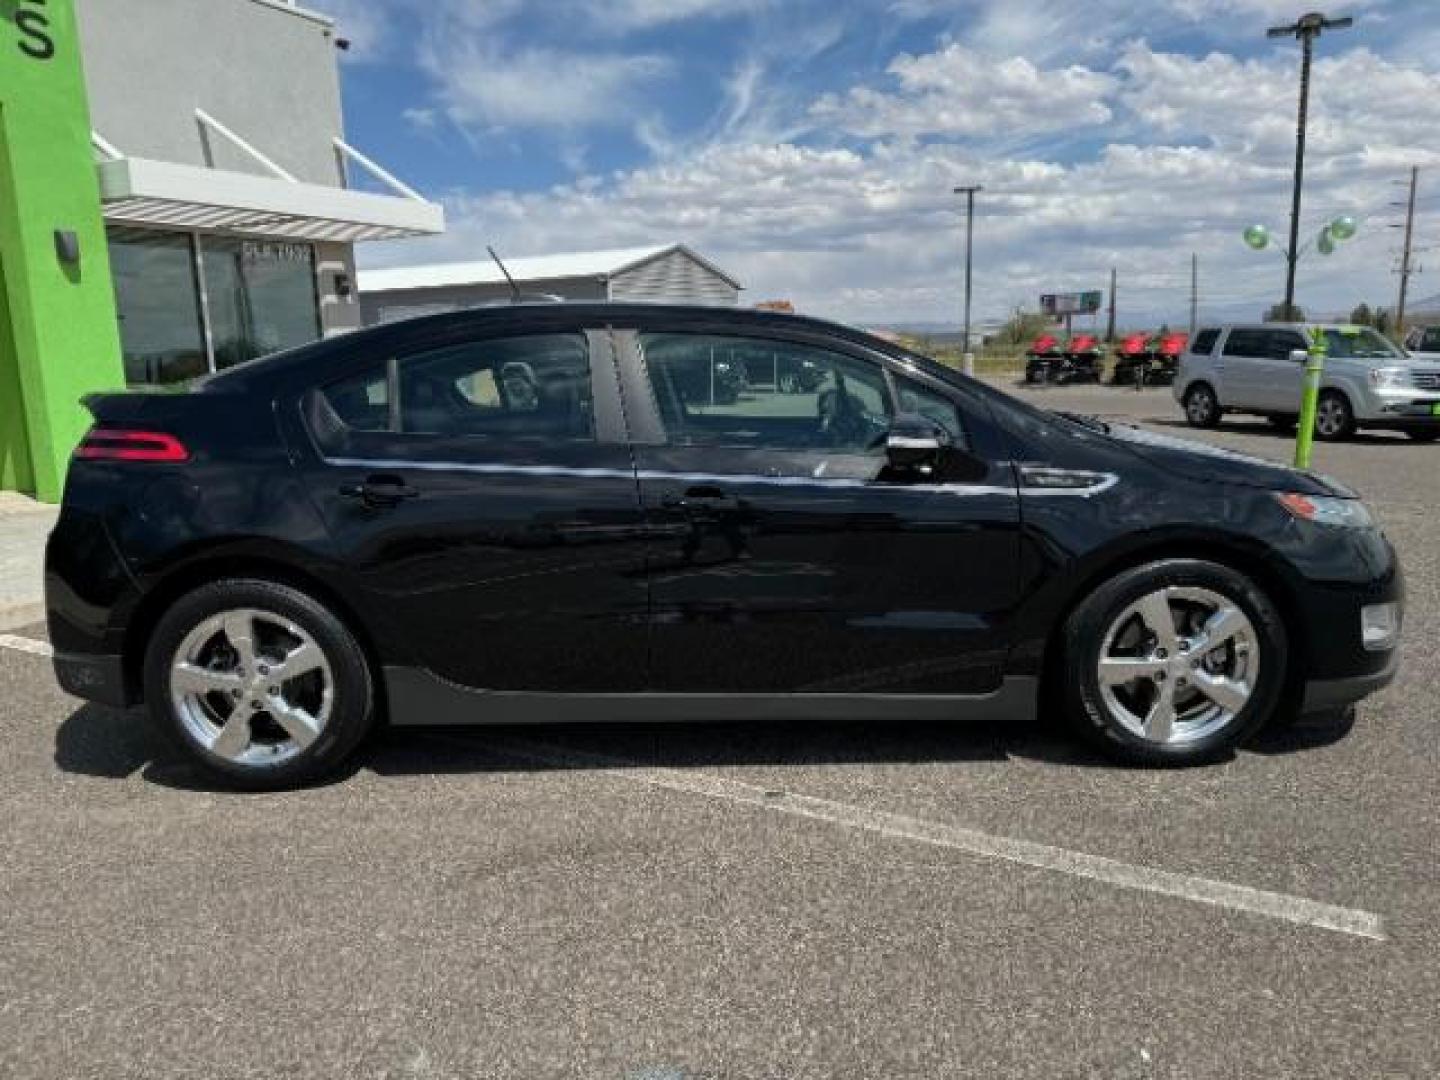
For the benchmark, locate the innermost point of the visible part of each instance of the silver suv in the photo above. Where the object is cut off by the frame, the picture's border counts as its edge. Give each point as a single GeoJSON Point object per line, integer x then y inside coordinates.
{"type": "Point", "coordinates": [1368, 382]}
{"type": "Point", "coordinates": [1424, 344]}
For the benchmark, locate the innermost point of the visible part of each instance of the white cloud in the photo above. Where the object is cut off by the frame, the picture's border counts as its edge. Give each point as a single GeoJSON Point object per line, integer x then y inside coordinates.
{"type": "Point", "coordinates": [956, 91]}
{"type": "Point", "coordinates": [1193, 149]}
{"type": "Point", "coordinates": [633, 14]}
{"type": "Point", "coordinates": [479, 85]}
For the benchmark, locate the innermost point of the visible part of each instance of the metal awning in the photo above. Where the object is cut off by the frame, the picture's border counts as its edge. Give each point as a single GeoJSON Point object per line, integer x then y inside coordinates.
{"type": "Point", "coordinates": [137, 191]}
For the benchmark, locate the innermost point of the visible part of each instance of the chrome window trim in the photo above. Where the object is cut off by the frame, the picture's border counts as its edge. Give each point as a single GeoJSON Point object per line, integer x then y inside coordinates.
{"type": "Point", "coordinates": [579, 472]}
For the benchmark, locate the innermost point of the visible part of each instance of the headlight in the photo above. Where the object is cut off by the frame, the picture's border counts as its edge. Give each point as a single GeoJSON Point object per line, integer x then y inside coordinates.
{"type": "Point", "coordinates": [1390, 377]}
{"type": "Point", "coordinates": [1323, 510]}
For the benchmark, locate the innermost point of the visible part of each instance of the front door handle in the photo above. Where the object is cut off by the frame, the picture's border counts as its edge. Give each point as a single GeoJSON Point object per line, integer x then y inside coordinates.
{"type": "Point", "coordinates": [379, 492]}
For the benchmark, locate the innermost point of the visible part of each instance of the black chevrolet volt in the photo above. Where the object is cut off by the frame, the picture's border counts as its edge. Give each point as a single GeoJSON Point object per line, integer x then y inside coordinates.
{"type": "Point", "coordinates": [570, 512]}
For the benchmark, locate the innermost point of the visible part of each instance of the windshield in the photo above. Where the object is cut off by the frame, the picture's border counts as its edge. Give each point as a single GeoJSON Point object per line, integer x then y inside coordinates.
{"type": "Point", "coordinates": [1361, 343]}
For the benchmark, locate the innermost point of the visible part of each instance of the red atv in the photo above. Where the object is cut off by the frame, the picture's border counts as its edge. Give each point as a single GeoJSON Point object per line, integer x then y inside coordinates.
{"type": "Point", "coordinates": [1134, 359]}
{"type": "Point", "coordinates": [1048, 361]}
{"type": "Point", "coordinates": [1167, 357]}
{"type": "Point", "coordinates": [1084, 354]}
{"type": "Point", "coordinates": [1043, 359]}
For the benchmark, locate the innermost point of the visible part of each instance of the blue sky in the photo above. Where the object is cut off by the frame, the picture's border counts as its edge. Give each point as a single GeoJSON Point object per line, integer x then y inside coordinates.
{"type": "Point", "coordinates": [810, 147]}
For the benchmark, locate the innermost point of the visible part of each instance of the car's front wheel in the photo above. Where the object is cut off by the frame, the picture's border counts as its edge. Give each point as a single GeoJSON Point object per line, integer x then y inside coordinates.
{"type": "Point", "coordinates": [1174, 662]}
{"type": "Point", "coordinates": [1202, 407]}
{"type": "Point", "coordinates": [262, 685]}
{"type": "Point", "coordinates": [1334, 418]}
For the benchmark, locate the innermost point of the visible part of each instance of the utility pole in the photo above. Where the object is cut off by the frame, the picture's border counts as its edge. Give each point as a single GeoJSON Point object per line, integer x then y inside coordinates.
{"type": "Point", "coordinates": [1194, 291]}
{"type": "Point", "coordinates": [969, 193]}
{"type": "Point", "coordinates": [1405, 269]}
{"type": "Point", "coordinates": [1307, 29]}
{"type": "Point", "coordinates": [1110, 329]}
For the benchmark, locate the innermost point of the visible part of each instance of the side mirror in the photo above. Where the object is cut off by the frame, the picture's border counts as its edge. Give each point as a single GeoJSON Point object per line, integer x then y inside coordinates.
{"type": "Point", "coordinates": [914, 440]}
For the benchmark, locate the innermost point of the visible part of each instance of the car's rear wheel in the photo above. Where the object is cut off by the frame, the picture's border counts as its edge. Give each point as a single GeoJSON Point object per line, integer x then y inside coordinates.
{"type": "Point", "coordinates": [262, 685]}
{"type": "Point", "coordinates": [1334, 418]}
{"type": "Point", "coordinates": [1202, 407]}
{"type": "Point", "coordinates": [1174, 662]}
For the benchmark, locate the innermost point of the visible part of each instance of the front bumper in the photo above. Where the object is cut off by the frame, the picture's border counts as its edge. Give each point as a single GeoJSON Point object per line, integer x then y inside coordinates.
{"type": "Point", "coordinates": [1400, 408]}
{"type": "Point", "coordinates": [1325, 695]}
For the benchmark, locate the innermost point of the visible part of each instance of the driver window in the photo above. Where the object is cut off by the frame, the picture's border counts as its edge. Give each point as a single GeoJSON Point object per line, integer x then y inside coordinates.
{"type": "Point", "coordinates": [756, 393]}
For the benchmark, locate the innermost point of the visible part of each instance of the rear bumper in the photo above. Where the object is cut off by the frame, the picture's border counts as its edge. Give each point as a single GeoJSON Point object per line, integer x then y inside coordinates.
{"type": "Point", "coordinates": [1323, 695]}
{"type": "Point", "coordinates": [93, 677]}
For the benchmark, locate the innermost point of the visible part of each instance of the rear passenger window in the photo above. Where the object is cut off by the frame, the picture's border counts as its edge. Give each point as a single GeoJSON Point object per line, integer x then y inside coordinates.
{"type": "Point", "coordinates": [1248, 343]}
{"type": "Point", "coordinates": [513, 388]}
{"type": "Point", "coordinates": [1204, 343]}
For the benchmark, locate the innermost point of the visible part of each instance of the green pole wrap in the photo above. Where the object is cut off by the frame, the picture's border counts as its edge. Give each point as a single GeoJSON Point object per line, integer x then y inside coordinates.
{"type": "Point", "coordinates": [1310, 399]}
{"type": "Point", "coordinates": [59, 336]}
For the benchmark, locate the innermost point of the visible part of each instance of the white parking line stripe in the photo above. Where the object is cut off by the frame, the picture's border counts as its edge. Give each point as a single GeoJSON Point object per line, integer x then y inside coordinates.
{"type": "Point", "coordinates": [1292, 909]}
{"type": "Point", "coordinates": [26, 645]}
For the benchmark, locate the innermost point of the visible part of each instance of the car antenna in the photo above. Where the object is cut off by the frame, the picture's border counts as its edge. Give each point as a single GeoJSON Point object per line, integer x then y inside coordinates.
{"type": "Point", "coordinates": [514, 289]}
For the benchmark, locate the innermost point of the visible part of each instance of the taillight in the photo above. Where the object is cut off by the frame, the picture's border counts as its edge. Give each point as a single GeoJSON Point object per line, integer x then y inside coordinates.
{"type": "Point", "coordinates": [105, 444]}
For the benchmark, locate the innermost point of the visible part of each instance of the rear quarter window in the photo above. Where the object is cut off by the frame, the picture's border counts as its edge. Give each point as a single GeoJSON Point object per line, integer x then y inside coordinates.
{"type": "Point", "coordinates": [1204, 343]}
{"type": "Point", "coordinates": [362, 401]}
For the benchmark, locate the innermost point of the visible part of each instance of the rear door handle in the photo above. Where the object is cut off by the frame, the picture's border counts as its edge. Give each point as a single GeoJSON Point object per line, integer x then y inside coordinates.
{"type": "Point", "coordinates": [380, 492]}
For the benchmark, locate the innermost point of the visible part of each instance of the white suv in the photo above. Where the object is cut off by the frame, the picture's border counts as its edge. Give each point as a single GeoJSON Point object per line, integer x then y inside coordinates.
{"type": "Point", "coordinates": [1368, 382]}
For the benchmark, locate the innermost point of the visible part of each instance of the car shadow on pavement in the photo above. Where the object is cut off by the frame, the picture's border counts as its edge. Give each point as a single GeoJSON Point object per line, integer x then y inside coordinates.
{"type": "Point", "coordinates": [113, 744]}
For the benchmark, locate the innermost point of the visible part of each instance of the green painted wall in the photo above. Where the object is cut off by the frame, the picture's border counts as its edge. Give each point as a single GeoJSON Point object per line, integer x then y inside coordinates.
{"type": "Point", "coordinates": [59, 335]}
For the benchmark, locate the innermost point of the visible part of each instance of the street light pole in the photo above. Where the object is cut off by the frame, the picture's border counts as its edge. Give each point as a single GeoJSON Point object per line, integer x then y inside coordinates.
{"type": "Point", "coordinates": [969, 193]}
{"type": "Point", "coordinates": [1307, 29]}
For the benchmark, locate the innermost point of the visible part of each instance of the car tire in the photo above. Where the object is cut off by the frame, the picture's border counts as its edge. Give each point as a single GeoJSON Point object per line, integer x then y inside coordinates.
{"type": "Point", "coordinates": [1127, 718]}
{"type": "Point", "coordinates": [200, 673]}
{"type": "Point", "coordinates": [1334, 417]}
{"type": "Point", "coordinates": [1202, 407]}
{"type": "Point", "coordinates": [1424, 435]}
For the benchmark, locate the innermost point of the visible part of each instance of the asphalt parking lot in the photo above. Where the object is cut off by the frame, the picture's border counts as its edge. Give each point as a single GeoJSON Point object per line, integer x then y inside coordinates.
{"type": "Point", "coordinates": [798, 900]}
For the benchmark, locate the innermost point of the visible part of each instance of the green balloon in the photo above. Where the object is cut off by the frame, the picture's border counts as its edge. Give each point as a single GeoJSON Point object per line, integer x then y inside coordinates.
{"type": "Point", "coordinates": [1258, 237]}
{"type": "Point", "coordinates": [1343, 227]}
{"type": "Point", "coordinates": [1326, 243]}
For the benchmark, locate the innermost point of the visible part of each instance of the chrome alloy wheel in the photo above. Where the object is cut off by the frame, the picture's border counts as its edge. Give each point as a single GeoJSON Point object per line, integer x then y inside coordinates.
{"type": "Point", "coordinates": [1178, 665]}
{"type": "Point", "coordinates": [1330, 418]}
{"type": "Point", "coordinates": [1200, 406]}
{"type": "Point", "coordinates": [251, 687]}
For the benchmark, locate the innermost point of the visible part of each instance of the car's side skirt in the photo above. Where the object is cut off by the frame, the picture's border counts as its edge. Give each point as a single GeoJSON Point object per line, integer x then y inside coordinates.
{"type": "Point", "coordinates": [418, 698]}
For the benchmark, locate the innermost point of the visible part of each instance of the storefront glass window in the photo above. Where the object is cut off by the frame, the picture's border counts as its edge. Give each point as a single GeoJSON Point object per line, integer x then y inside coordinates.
{"type": "Point", "coordinates": [159, 306]}
{"type": "Point", "coordinates": [261, 297]}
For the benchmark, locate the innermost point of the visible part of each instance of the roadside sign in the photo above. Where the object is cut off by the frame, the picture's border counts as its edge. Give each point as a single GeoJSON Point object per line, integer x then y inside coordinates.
{"type": "Point", "coordinates": [1081, 303]}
